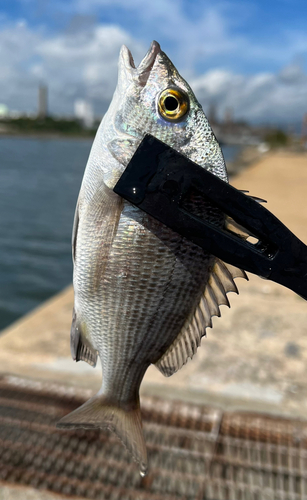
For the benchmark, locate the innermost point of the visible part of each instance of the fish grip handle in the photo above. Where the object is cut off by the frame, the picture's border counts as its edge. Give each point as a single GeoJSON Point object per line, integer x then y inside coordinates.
{"type": "Point", "coordinates": [158, 179]}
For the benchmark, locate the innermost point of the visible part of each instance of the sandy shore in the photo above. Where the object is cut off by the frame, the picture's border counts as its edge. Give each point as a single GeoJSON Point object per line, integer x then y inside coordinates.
{"type": "Point", "coordinates": [255, 358]}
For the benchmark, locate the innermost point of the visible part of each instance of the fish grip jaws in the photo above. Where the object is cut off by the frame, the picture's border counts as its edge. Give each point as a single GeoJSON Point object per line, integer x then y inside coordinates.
{"type": "Point", "coordinates": [159, 180]}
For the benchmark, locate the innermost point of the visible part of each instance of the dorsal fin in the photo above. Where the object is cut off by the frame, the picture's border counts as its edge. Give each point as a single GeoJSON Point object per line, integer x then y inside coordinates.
{"type": "Point", "coordinates": [221, 281]}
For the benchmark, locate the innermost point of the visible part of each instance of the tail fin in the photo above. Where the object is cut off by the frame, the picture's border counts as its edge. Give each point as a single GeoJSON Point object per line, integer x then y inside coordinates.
{"type": "Point", "coordinates": [124, 421]}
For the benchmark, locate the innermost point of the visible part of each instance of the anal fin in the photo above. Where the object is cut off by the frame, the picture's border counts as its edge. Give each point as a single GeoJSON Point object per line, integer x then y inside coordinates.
{"type": "Point", "coordinates": [81, 350]}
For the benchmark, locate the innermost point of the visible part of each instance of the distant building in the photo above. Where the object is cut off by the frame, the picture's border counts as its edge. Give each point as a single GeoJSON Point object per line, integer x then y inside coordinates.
{"type": "Point", "coordinates": [84, 112]}
{"type": "Point", "coordinates": [4, 110]}
{"type": "Point", "coordinates": [42, 101]}
{"type": "Point", "coordinates": [228, 117]}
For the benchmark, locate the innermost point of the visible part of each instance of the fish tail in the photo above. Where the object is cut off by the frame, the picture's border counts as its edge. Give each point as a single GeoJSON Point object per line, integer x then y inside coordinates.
{"type": "Point", "coordinates": [123, 419]}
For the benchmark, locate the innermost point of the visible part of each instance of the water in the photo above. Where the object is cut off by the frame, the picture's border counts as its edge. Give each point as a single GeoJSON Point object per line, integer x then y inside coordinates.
{"type": "Point", "coordinates": [231, 152]}
{"type": "Point", "coordinates": [39, 185]}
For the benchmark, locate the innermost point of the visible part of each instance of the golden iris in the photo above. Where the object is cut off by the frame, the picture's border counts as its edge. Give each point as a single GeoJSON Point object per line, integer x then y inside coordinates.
{"type": "Point", "coordinates": [173, 104]}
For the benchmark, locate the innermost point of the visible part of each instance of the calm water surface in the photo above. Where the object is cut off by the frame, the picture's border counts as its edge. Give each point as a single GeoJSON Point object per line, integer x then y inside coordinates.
{"type": "Point", "coordinates": [39, 185]}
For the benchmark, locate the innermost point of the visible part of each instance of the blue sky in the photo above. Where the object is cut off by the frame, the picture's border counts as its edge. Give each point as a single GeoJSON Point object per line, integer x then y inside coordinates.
{"type": "Point", "coordinates": [249, 55]}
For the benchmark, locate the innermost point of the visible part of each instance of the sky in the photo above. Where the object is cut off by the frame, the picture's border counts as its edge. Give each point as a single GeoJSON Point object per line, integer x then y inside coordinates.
{"type": "Point", "coordinates": [250, 56]}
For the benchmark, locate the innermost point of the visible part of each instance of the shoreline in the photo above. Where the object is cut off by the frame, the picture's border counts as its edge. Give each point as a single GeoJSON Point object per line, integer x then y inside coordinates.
{"type": "Point", "coordinates": [247, 155]}
{"type": "Point", "coordinates": [51, 135]}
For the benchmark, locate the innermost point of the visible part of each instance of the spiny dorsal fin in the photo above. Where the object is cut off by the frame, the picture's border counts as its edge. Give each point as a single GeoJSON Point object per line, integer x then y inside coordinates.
{"type": "Point", "coordinates": [221, 281]}
{"type": "Point", "coordinates": [81, 350]}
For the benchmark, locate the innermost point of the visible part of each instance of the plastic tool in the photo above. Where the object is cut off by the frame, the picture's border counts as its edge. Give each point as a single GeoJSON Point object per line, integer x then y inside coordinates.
{"type": "Point", "coordinates": [158, 179]}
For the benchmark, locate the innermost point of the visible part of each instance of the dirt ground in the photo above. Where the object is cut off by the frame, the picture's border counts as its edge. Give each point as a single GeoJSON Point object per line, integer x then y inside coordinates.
{"type": "Point", "coordinates": [254, 358]}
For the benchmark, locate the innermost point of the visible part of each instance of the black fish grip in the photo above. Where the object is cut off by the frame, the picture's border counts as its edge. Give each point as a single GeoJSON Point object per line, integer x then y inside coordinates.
{"type": "Point", "coordinates": [158, 179]}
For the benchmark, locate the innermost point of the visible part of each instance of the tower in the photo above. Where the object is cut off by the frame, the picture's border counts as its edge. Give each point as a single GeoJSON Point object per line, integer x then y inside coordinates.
{"type": "Point", "coordinates": [42, 101]}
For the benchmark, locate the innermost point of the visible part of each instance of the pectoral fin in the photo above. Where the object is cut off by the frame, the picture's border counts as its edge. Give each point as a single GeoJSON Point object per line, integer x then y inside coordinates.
{"type": "Point", "coordinates": [122, 149]}
{"type": "Point", "coordinates": [75, 232]}
{"type": "Point", "coordinates": [236, 228]}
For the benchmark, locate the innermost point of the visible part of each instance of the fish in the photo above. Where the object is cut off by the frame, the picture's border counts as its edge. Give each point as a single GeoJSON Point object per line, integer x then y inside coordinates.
{"type": "Point", "coordinates": [143, 294]}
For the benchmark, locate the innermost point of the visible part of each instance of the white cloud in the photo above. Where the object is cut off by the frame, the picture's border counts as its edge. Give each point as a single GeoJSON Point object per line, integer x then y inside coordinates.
{"type": "Point", "coordinates": [82, 61]}
{"type": "Point", "coordinates": [85, 63]}
{"type": "Point", "coordinates": [262, 97]}
{"type": "Point", "coordinates": [73, 65]}
{"type": "Point", "coordinates": [16, 54]}
{"type": "Point", "coordinates": [214, 30]}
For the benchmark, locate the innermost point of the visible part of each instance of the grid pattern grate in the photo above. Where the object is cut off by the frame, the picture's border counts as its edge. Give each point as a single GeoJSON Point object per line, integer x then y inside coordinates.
{"type": "Point", "coordinates": [195, 452]}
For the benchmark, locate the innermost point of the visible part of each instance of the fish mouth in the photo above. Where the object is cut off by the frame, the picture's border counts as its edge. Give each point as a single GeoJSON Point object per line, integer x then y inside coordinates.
{"type": "Point", "coordinates": [148, 61]}
{"type": "Point", "coordinates": [142, 72]}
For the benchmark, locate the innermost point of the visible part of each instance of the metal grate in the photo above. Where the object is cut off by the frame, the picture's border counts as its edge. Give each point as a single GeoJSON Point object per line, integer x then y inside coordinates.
{"type": "Point", "coordinates": [260, 457]}
{"type": "Point", "coordinates": [195, 452]}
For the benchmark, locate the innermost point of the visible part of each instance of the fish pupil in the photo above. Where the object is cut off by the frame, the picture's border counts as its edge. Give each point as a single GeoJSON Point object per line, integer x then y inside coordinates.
{"type": "Point", "coordinates": [171, 103]}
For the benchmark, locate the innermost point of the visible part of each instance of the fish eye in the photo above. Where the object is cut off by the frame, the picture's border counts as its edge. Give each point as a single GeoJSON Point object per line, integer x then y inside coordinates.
{"type": "Point", "coordinates": [173, 104]}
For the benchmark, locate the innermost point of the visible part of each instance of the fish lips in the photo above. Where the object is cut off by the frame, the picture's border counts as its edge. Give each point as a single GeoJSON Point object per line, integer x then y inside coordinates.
{"type": "Point", "coordinates": [142, 72]}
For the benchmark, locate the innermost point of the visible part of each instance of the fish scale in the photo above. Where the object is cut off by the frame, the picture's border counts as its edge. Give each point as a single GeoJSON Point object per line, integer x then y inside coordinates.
{"type": "Point", "coordinates": [180, 270]}
{"type": "Point", "coordinates": [143, 293]}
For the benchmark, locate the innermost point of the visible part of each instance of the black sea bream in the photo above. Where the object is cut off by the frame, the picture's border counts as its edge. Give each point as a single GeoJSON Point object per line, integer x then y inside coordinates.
{"type": "Point", "coordinates": [143, 293]}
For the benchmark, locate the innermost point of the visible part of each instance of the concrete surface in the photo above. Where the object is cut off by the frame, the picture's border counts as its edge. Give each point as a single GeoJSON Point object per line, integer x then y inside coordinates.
{"type": "Point", "coordinates": [9, 492]}
{"type": "Point", "coordinates": [255, 358]}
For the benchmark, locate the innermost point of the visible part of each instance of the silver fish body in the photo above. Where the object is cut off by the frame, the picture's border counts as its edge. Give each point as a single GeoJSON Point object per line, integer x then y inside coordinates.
{"type": "Point", "coordinates": [143, 294]}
